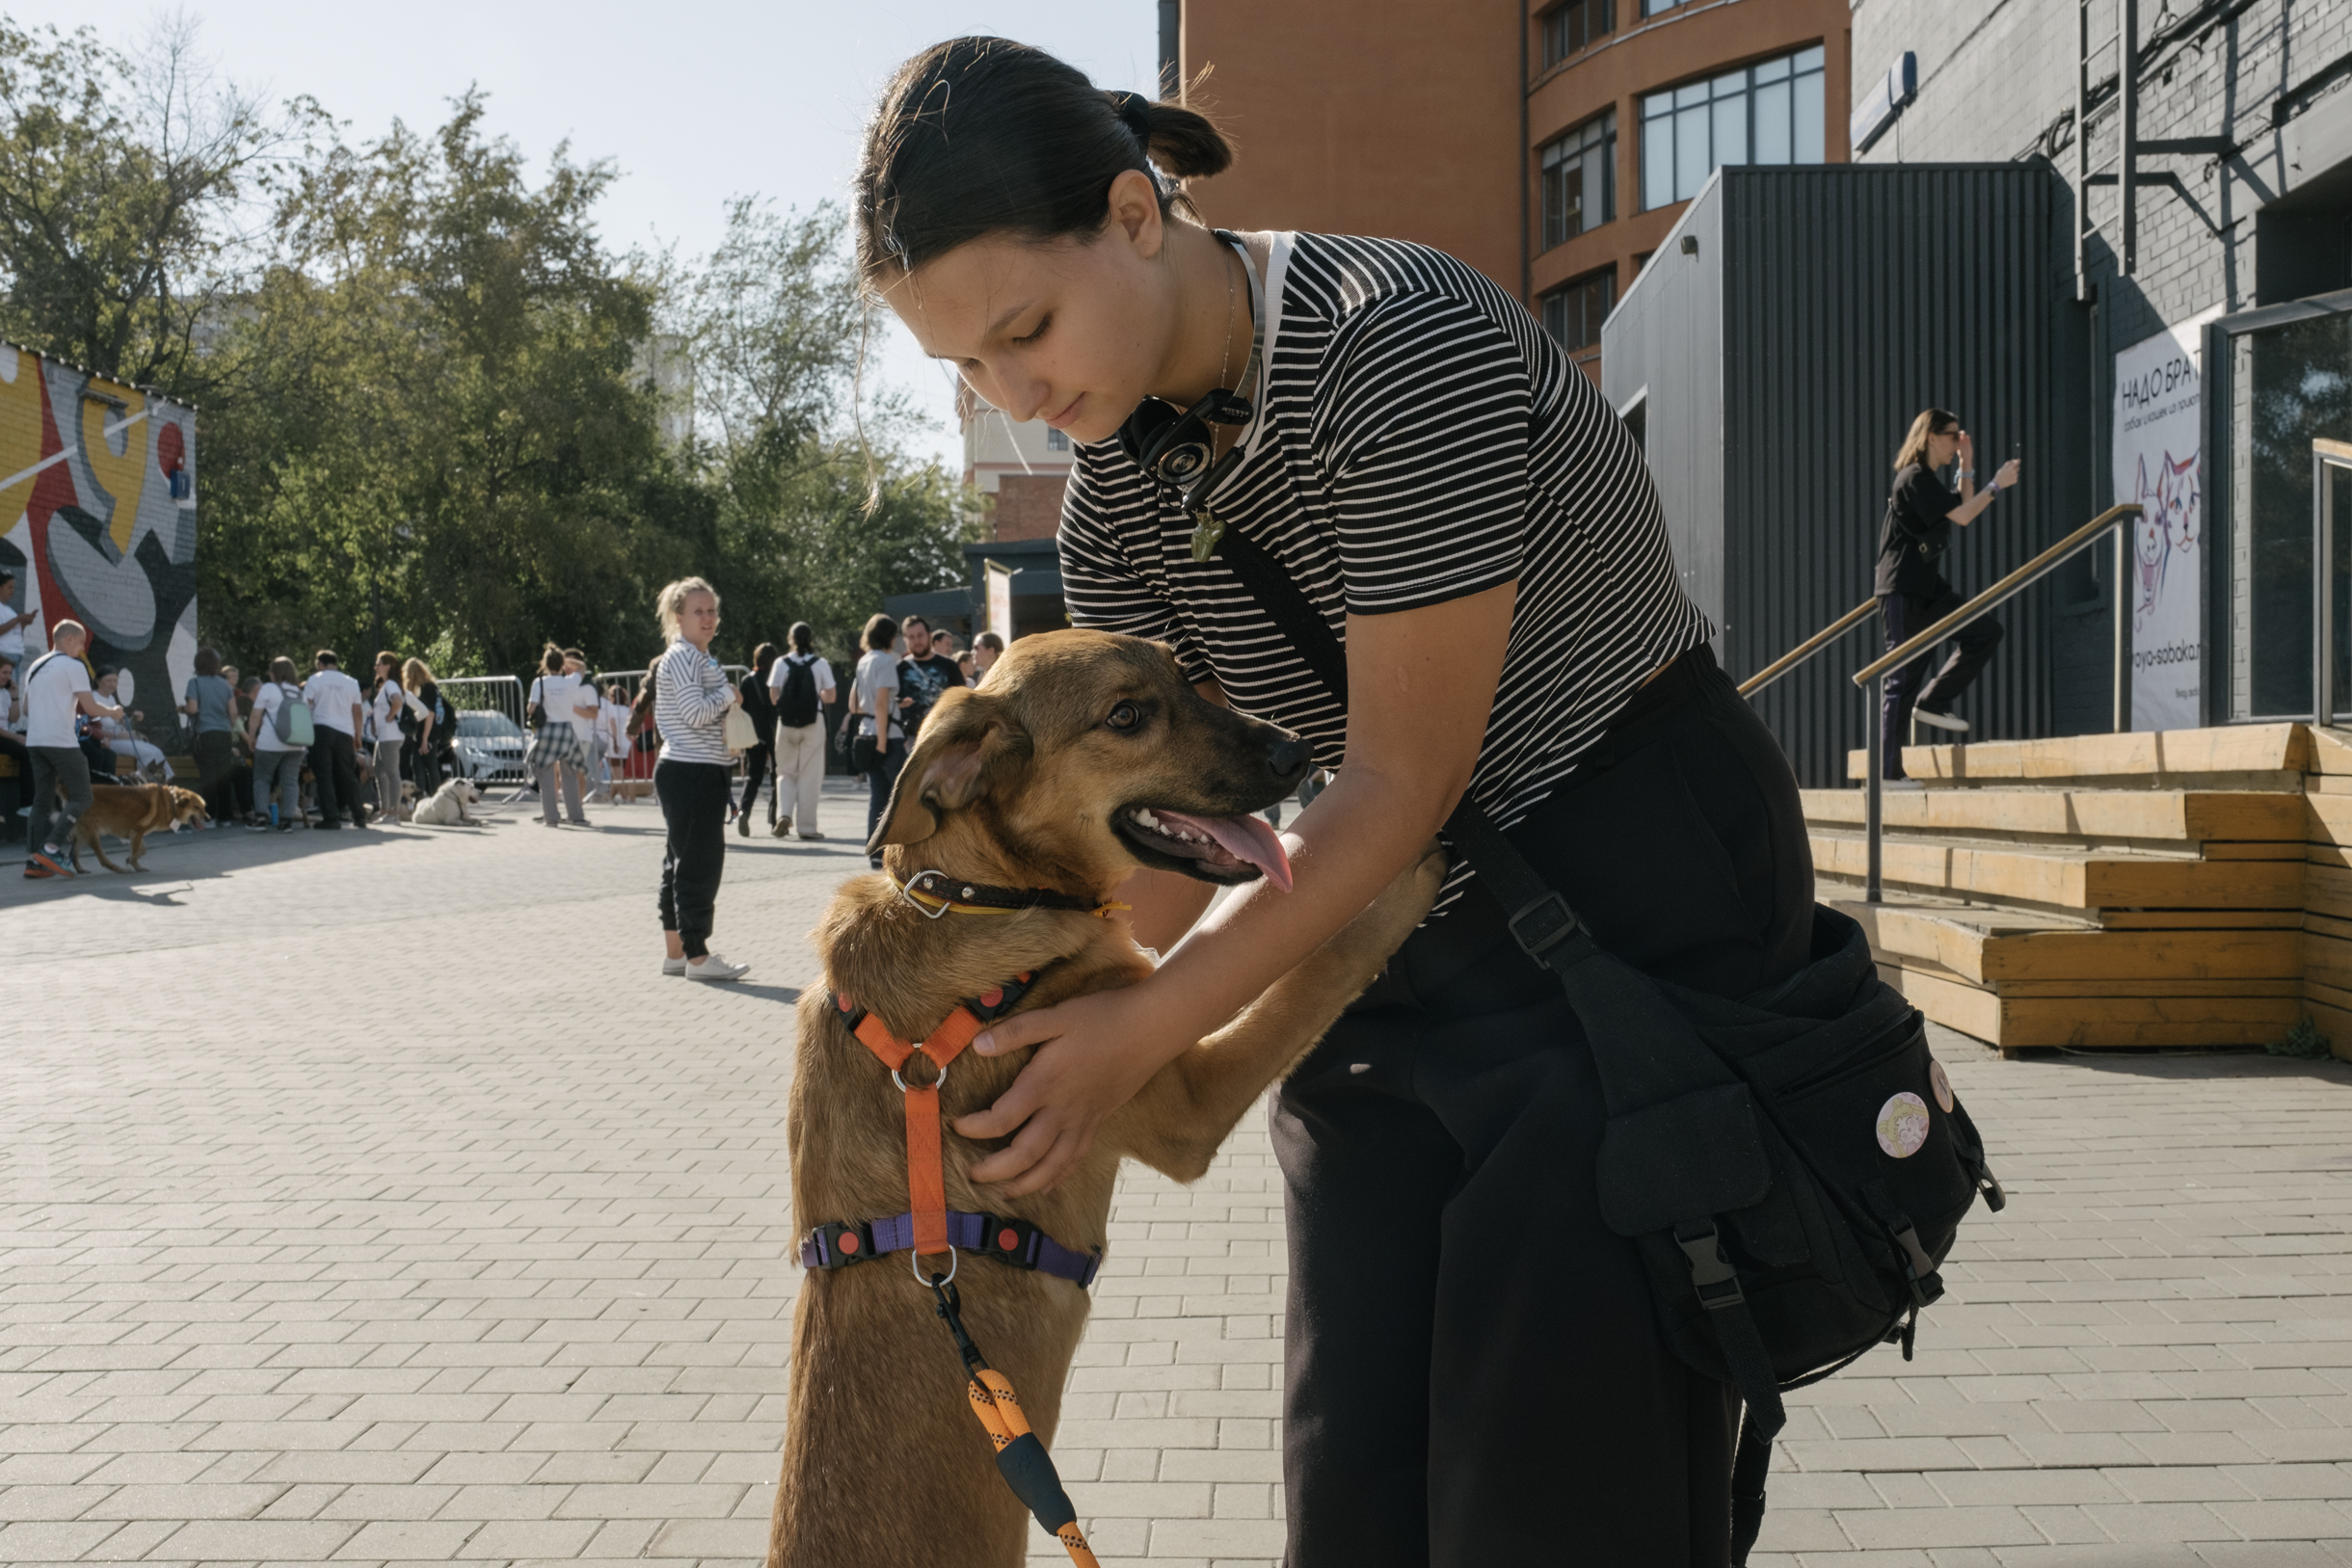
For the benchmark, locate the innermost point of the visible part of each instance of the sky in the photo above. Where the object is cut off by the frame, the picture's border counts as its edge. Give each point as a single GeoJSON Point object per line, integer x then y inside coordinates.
{"type": "Point", "coordinates": [693, 105]}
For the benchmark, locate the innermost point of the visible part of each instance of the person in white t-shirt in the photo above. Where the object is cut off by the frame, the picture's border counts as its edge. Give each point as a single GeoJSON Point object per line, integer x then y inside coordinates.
{"type": "Point", "coordinates": [55, 688]}
{"type": "Point", "coordinates": [800, 684]}
{"type": "Point", "coordinates": [277, 763]}
{"type": "Point", "coordinates": [338, 710]}
{"type": "Point", "coordinates": [587, 719]}
{"type": "Point", "coordinates": [386, 704]}
{"type": "Point", "coordinates": [565, 706]}
{"type": "Point", "coordinates": [12, 621]}
{"type": "Point", "coordinates": [117, 735]}
{"type": "Point", "coordinates": [612, 724]}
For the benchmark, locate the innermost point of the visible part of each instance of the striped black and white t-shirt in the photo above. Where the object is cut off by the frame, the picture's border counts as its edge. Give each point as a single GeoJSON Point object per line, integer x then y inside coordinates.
{"type": "Point", "coordinates": [691, 696]}
{"type": "Point", "coordinates": [1420, 438]}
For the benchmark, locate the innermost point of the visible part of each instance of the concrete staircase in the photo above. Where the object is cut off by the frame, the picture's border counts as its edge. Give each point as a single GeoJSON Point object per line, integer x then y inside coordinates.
{"type": "Point", "coordinates": [2189, 887]}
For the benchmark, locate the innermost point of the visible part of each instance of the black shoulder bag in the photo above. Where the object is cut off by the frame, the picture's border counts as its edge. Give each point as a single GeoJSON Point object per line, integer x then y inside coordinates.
{"type": "Point", "coordinates": [1793, 1166]}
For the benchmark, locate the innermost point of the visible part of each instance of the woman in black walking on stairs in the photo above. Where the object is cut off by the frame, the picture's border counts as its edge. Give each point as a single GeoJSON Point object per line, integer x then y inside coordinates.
{"type": "Point", "coordinates": [1473, 1371]}
{"type": "Point", "coordinates": [1911, 592]}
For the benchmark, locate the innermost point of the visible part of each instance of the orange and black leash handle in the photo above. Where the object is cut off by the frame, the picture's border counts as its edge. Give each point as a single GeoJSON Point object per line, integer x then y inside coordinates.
{"type": "Point", "coordinates": [1020, 1459]}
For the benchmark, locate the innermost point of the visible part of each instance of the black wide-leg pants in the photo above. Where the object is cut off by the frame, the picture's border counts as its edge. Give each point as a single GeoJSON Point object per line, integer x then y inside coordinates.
{"type": "Point", "coordinates": [1904, 616]}
{"type": "Point", "coordinates": [1473, 1374]}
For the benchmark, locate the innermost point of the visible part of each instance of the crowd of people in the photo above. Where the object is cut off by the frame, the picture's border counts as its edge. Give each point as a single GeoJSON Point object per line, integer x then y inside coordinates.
{"type": "Point", "coordinates": [275, 752]}
{"type": "Point", "coordinates": [283, 750]}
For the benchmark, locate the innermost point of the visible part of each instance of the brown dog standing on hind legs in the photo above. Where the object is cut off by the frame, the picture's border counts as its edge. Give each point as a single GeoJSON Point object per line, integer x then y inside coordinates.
{"type": "Point", "coordinates": [1086, 757]}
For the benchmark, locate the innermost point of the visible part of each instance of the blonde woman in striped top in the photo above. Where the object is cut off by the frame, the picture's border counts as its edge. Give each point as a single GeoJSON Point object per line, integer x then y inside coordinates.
{"type": "Point", "coordinates": [692, 781]}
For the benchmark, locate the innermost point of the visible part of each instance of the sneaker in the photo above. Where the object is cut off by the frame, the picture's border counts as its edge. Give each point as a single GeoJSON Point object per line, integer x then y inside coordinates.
{"type": "Point", "coordinates": [712, 967]}
{"type": "Point", "coordinates": [35, 873]}
{"type": "Point", "coordinates": [673, 966]}
{"type": "Point", "coordinates": [256, 826]}
{"type": "Point", "coordinates": [782, 826]}
{"type": "Point", "coordinates": [743, 825]}
{"type": "Point", "coordinates": [812, 838]}
{"type": "Point", "coordinates": [1942, 721]}
{"type": "Point", "coordinates": [47, 861]}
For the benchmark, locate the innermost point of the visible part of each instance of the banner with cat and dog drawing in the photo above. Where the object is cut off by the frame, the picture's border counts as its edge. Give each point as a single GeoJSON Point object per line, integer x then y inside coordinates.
{"type": "Point", "coordinates": [97, 521]}
{"type": "Point", "coordinates": [2157, 426]}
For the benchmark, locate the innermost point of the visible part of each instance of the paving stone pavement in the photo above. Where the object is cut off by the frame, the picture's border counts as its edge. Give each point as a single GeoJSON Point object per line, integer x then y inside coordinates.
{"type": "Point", "coordinates": [371, 1199]}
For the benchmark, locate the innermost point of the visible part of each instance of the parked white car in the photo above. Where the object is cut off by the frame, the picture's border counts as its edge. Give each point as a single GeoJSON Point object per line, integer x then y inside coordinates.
{"type": "Point", "coordinates": [490, 748]}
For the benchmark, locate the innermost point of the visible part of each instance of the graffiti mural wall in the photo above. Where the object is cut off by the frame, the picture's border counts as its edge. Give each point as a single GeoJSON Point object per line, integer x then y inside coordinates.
{"type": "Point", "coordinates": [97, 520]}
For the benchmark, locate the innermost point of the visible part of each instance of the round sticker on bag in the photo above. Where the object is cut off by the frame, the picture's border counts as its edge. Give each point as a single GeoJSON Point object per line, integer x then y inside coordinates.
{"type": "Point", "coordinates": [1940, 1083]}
{"type": "Point", "coordinates": [1903, 1124]}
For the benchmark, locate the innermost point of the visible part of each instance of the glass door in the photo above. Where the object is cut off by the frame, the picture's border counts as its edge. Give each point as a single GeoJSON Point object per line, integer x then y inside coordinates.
{"type": "Point", "coordinates": [2289, 383]}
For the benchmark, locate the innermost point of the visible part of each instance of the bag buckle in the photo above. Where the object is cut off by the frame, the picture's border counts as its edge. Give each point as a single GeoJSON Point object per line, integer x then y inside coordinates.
{"type": "Point", "coordinates": [1543, 924]}
{"type": "Point", "coordinates": [1007, 1239]}
{"type": "Point", "coordinates": [1716, 1281]}
{"type": "Point", "coordinates": [843, 1242]}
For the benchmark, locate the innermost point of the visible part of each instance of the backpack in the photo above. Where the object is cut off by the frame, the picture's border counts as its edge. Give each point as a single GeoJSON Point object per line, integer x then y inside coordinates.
{"type": "Point", "coordinates": [796, 700]}
{"type": "Point", "coordinates": [445, 722]}
{"type": "Point", "coordinates": [1793, 1167]}
{"type": "Point", "coordinates": [292, 723]}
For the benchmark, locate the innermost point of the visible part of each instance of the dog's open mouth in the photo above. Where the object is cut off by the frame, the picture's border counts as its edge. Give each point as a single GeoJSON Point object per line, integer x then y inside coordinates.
{"type": "Point", "coordinates": [1213, 848]}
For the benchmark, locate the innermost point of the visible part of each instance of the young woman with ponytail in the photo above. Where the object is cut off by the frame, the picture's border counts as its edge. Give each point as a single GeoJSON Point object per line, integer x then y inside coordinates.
{"type": "Point", "coordinates": [1473, 1371]}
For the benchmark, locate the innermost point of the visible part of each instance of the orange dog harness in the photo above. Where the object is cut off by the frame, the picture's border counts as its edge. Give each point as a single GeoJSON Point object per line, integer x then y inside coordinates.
{"type": "Point", "coordinates": [1020, 1459]}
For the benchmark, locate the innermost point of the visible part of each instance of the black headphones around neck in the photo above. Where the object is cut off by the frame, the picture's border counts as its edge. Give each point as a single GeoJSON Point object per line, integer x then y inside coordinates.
{"type": "Point", "coordinates": [1177, 450]}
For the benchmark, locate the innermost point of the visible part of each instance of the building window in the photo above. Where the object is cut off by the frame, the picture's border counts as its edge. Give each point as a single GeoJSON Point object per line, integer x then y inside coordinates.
{"type": "Point", "coordinates": [1654, 7]}
{"type": "Point", "coordinates": [1768, 112]}
{"type": "Point", "coordinates": [1580, 180]}
{"type": "Point", "coordinates": [1057, 441]}
{"type": "Point", "coordinates": [1570, 27]}
{"type": "Point", "coordinates": [1573, 315]}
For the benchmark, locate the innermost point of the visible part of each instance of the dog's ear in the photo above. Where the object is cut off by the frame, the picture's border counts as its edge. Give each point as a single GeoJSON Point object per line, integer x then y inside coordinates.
{"type": "Point", "coordinates": [968, 747]}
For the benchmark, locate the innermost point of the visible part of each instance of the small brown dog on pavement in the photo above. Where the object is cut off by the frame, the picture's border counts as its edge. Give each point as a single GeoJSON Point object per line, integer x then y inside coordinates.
{"type": "Point", "coordinates": [133, 812]}
{"type": "Point", "coordinates": [1086, 757]}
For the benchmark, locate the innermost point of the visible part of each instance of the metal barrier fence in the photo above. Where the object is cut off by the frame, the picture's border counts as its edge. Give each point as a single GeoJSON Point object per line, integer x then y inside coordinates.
{"type": "Point", "coordinates": [639, 763]}
{"type": "Point", "coordinates": [490, 740]}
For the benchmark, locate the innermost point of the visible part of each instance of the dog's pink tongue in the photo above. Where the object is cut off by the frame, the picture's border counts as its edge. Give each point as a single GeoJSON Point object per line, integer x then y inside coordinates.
{"type": "Point", "coordinates": [1245, 839]}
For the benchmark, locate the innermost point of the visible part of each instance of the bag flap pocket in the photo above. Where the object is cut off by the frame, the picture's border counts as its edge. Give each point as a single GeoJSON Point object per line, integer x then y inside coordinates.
{"type": "Point", "coordinates": [1700, 1153]}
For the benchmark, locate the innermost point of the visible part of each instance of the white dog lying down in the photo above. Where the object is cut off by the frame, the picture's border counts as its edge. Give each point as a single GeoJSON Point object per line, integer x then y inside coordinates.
{"type": "Point", "coordinates": [445, 807]}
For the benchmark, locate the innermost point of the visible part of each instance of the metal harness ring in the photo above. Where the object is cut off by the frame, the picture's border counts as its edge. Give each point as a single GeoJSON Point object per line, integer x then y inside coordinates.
{"type": "Point", "coordinates": [935, 1083]}
{"type": "Point", "coordinates": [913, 1261]}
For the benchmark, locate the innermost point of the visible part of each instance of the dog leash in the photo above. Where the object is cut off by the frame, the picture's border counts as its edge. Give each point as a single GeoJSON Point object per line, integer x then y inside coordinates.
{"type": "Point", "coordinates": [1020, 1459]}
{"type": "Point", "coordinates": [937, 894]}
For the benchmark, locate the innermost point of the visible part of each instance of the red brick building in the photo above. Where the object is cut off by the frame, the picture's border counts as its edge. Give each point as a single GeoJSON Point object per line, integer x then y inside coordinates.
{"type": "Point", "coordinates": [1550, 146]}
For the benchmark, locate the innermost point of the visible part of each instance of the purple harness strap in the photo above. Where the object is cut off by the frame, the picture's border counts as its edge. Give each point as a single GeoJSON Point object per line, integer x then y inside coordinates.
{"type": "Point", "coordinates": [1015, 1243]}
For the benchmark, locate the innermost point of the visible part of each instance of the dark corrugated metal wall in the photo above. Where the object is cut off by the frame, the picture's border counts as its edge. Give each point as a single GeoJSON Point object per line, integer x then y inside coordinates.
{"type": "Point", "coordinates": [1853, 296]}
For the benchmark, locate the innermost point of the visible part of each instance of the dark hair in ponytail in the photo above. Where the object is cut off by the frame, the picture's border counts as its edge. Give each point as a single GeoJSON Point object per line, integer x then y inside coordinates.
{"type": "Point", "coordinates": [980, 136]}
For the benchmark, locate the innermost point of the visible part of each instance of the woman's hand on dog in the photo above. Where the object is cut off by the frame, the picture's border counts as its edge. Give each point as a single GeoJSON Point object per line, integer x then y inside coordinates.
{"type": "Point", "coordinates": [1062, 1095]}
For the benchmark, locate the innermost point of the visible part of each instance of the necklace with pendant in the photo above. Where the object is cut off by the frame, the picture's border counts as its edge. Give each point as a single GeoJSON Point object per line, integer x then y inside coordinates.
{"type": "Point", "coordinates": [1207, 530]}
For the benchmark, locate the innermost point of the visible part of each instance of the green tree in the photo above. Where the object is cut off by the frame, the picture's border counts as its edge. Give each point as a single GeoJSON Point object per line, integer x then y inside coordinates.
{"type": "Point", "coordinates": [122, 181]}
{"type": "Point", "coordinates": [440, 435]}
{"type": "Point", "coordinates": [820, 515]}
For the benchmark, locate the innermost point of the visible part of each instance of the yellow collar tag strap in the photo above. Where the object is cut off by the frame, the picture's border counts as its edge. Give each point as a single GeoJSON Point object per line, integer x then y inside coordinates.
{"type": "Point", "coordinates": [937, 894]}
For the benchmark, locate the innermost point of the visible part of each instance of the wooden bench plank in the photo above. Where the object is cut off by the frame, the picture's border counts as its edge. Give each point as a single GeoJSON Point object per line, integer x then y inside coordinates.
{"type": "Point", "coordinates": [2170, 815]}
{"type": "Point", "coordinates": [2065, 878]}
{"type": "Point", "coordinates": [2230, 749]}
{"type": "Point", "coordinates": [2015, 1023]}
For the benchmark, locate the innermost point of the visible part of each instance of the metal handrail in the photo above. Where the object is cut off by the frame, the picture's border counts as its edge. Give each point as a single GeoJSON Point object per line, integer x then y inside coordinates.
{"type": "Point", "coordinates": [1873, 676]}
{"type": "Point", "coordinates": [1991, 598]}
{"type": "Point", "coordinates": [1805, 650]}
